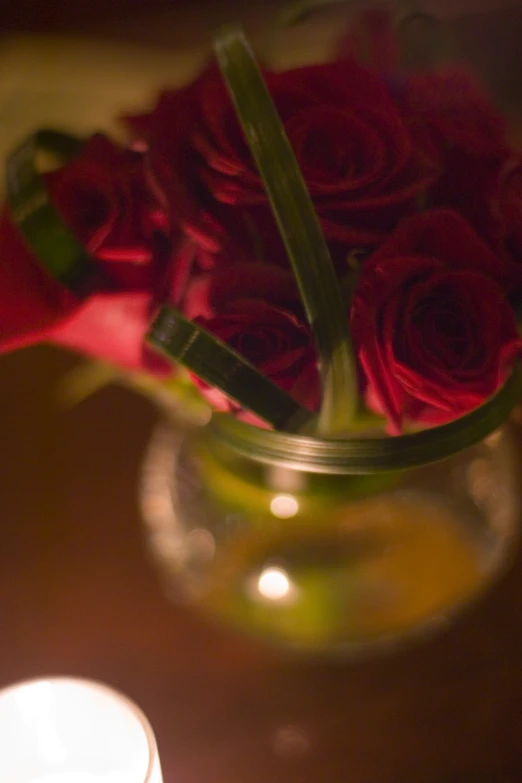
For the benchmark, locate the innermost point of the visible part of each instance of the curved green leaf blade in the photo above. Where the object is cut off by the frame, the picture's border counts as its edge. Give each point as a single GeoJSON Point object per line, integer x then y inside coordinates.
{"type": "Point", "coordinates": [369, 455]}
{"type": "Point", "coordinates": [49, 238]}
{"type": "Point", "coordinates": [298, 225]}
{"type": "Point", "coordinates": [217, 364]}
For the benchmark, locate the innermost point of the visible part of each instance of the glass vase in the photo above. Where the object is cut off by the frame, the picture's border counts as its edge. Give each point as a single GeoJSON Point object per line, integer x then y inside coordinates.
{"type": "Point", "coordinates": [302, 548]}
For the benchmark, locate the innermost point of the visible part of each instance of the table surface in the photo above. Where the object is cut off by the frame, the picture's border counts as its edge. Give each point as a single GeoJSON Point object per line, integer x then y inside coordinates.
{"type": "Point", "coordinates": [79, 596]}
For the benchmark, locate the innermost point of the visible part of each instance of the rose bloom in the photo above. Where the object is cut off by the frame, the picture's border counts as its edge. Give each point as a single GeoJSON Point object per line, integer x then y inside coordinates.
{"type": "Point", "coordinates": [105, 199]}
{"type": "Point", "coordinates": [356, 154]}
{"type": "Point", "coordinates": [510, 208]}
{"type": "Point", "coordinates": [453, 124]}
{"type": "Point", "coordinates": [255, 309]}
{"type": "Point", "coordinates": [461, 132]}
{"type": "Point", "coordinates": [434, 333]}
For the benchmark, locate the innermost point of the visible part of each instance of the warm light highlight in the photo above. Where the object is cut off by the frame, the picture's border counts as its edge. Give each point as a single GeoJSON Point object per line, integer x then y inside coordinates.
{"type": "Point", "coordinates": [274, 584]}
{"type": "Point", "coordinates": [284, 506]}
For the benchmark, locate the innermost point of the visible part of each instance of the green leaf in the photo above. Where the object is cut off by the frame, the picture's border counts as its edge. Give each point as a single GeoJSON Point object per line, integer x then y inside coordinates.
{"type": "Point", "coordinates": [361, 456]}
{"type": "Point", "coordinates": [192, 346]}
{"type": "Point", "coordinates": [293, 13]}
{"type": "Point", "coordinates": [299, 228]}
{"type": "Point", "coordinates": [49, 238]}
{"type": "Point", "coordinates": [84, 380]}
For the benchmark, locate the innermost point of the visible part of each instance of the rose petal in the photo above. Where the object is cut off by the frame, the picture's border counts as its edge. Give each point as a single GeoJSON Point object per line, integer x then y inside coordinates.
{"type": "Point", "coordinates": [32, 301]}
{"type": "Point", "coordinates": [112, 327]}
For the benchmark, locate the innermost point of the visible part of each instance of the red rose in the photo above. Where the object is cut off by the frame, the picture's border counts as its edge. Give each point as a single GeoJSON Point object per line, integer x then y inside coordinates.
{"type": "Point", "coordinates": [510, 207]}
{"type": "Point", "coordinates": [434, 333]}
{"type": "Point", "coordinates": [105, 199]}
{"type": "Point", "coordinates": [255, 309]}
{"type": "Point", "coordinates": [450, 107]}
{"type": "Point", "coordinates": [210, 294]}
{"type": "Point", "coordinates": [352, 145]}
{"type": "Point", "coordinates": [461, 132]}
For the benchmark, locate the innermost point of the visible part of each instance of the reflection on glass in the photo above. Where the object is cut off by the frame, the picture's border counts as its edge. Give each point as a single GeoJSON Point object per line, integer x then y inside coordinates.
{"type": "Point", "coordinates": [284, 506]}
{"type": "Point", "coordinates": [325, 562]}
{"type": "Point", "coordinates": [274, 584]}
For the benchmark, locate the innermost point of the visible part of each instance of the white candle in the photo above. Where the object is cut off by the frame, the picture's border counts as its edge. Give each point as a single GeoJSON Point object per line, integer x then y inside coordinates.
{"type": "Point", "coordinates": [63, 730]}
{"type": "Point", "coordinates": [70, 777]}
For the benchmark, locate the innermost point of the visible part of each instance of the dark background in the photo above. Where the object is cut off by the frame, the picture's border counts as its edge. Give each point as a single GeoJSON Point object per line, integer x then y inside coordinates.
{"type": "Point", "coordinates": [488, 32]}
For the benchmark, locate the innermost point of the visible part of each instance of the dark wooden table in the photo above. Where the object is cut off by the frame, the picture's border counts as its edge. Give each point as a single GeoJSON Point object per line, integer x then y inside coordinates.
{"type": "Point", "coordinates": [79, 596]}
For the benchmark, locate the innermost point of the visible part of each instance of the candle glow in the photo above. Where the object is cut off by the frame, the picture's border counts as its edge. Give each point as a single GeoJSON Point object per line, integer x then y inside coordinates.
{"type": "Point", "coordinates": [64, 730]}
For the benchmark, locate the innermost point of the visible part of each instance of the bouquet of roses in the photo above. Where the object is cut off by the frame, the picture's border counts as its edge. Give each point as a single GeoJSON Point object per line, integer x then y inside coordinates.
{"type": "Point", "coordinates": [418, 195]}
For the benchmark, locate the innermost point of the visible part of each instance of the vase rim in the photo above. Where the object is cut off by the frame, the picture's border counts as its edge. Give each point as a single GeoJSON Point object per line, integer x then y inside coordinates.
{"type": "Point", "coordinates": [368, 455]}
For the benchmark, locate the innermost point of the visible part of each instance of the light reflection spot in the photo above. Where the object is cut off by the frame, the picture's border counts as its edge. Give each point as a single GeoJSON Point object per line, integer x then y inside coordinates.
{"type": "Point", "coordinates": [274, 584]}
{"type": "Point", "coordinates": [202, 544]}
{"type": "Point", "coordinates": [290, 742]}
{"type": "Point", "coordinates": [284, 506]}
